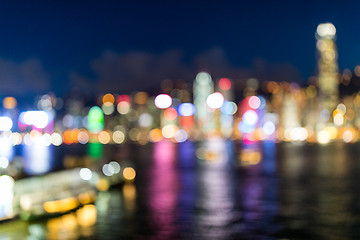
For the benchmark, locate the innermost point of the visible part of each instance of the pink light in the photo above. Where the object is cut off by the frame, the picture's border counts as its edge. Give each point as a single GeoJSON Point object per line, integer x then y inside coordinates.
{"type": "Point", "coordinates": [254, 102]}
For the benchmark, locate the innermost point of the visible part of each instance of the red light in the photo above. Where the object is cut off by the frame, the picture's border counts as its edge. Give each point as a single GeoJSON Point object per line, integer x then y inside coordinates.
{"type": "Point", "coordinates": [225, 84]}
{"type": "Point", "coordinates": [124, 98]}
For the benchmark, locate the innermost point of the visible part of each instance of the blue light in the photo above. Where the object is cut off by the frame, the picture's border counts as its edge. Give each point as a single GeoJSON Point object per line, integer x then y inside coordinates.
{"type": "Point", "coordinates": [227, 108]}
{"type": "Point", "coordinates": [262, 102]}
{"type": "Point", "coordinates": [245, 127]}
{"type": "Point", "coordinates": [186, 109]}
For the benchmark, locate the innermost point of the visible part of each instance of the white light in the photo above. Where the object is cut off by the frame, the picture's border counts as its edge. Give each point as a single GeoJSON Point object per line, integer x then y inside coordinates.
{"type": "Point", "coordinates": [298, 134]}
{"type": "Point", "coordinates": [4, 162]}
{"type": "Point", "coordinates": [203, 78]}
{"type": "Point", "coordinates": [250, 117]}
{"type": "Point", "coordinates": [180, 136]}
{"type": "Point", "coordinates": [145, 120]}
{"type": "Point", "coordinates": [56, 139]}
{"type": "Point", "coordinates": [108, 170]}
{"type": "Point", "coordinates": [163, 101]}
{"type": "Point", "coordinates": [115, 166]}
{"type": "Point", "coordinates": [38, 119]}
{"type": "Point", "coordinates": [215, 100]}
{"type": "Point", "coordinates": [339, 119]}
{"type": "Point", "coordinates": [5, 124]}
{"type": "Point", "coordinates": [347, 136]}
{"type": "Point", "coordinates": [323, 137]}
{"type": "Point", "coordinates": [326, 29]}
{"type": "Point", "coordinates": [269, 128]}
{"type": "Point", "coordinates": [342, 108]}
{"type": "Point", "coordinates": [46, 139]}
{"type": "Point", "coordinates": [7, 195]}
{"type": "Point", "coordinates": [85, 174]}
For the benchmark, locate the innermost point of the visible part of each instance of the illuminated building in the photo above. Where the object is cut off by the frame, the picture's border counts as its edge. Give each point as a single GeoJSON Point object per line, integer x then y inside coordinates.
{"type": "Point", "coordinates": [327, 66]}
{"type": "Point", "coordinates": [290, 116]}
{"type": "Point", "coordinates": [203, 87]}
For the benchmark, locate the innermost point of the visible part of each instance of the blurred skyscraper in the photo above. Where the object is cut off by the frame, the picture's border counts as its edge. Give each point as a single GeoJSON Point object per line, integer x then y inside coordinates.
{"type": "Point", "coordinates": [327, 66]}
{"type": "Point", "coordinates": [202, 88]}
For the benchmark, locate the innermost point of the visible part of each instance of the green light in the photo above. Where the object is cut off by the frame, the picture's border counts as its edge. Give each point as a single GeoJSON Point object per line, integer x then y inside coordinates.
{"type": "Point", "coordinates": [95, 150]}
{"type": "Point", "coordinates": [95, 120]}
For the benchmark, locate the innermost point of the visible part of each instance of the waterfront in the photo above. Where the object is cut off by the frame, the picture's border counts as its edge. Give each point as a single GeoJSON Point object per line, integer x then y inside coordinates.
{"type": "Point", "coordinates": [218, 190]}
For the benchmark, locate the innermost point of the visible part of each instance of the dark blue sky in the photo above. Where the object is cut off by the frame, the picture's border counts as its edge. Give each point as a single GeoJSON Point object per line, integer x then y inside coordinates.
{"type": "Point", "coordinates": [69, 40]}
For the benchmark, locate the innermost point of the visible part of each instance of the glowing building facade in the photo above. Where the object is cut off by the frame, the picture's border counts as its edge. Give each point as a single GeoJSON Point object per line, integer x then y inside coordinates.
{"type": "Point", "coordinates": [327, 66]}
{"type": "Point", "coordinates": [203, 87]}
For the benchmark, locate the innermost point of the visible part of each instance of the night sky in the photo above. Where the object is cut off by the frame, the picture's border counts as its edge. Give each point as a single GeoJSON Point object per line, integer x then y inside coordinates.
{"type": "Point", "coordinates": [121, 46]}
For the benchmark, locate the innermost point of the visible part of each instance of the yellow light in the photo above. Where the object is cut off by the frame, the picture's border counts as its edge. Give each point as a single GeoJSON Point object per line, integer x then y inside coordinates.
{"type": "Point", "coordinates": [86, 216]}
{"type": "Point", "coordinates": [129, 174]}
{"type": "Point", "coordinates": [87, 197]}
{"type": "Point", "coordinates": [249, 157]}
{"type": "Point", "coordinates": [62, 205]}
{"type": "Point", "coordinates": [104, 137]}
{"type": "Point", "coordinates": [102, 185]}
{"type": "Point", "coordinates": [333, 132]}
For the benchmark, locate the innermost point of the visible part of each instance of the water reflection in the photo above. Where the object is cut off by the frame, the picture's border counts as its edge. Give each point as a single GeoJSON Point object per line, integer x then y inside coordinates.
{"type": "Point", "coordinates": [258, 189]}
{"type": "Point", "coordinates": [187, 189]}
{"type": "Point", "coordinates": [217, 214]}
{"type": "Point", "coordinates": [6, 148]}
{"type": "Point", "coordinates": [163, 191]}
{"type": "Point", "coordinates": [218, 190]}
{"type": "Point", "coordinates": [75, 225]}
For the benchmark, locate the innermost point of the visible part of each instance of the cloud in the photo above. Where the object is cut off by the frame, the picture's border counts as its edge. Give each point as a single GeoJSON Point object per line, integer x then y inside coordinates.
{"type": "Point", "coordinates": [23, 78]}
{"type": "Point", "coordinates": [115, 72]}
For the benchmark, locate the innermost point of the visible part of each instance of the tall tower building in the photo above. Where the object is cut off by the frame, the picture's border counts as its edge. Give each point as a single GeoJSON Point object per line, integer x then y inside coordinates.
{"type": "Point", "coordinates": [327, 66]}
{"type": "Point", "coordinates": [203, 86]}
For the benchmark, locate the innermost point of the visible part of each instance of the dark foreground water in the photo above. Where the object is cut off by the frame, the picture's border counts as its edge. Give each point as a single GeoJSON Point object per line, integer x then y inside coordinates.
{"type": "Point", "coordinates": [218, 190]}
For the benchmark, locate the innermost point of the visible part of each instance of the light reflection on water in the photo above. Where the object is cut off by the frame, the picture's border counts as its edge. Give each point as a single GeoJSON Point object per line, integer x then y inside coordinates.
{"type": "Point", "coordinates": [218, 217]}
{"type": "Point", "coordinates": [38, 159]}
{"type": "Point", "coordinates": [221, 190]}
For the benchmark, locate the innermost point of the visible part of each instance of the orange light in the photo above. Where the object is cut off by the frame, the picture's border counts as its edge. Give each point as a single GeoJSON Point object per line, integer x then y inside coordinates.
{"type": "Point", "coordinates": [141, 98]}
{"type": "Point", "coordinates": [155, 135]}
{"type": "Point", "coordinates": [170, 114]}
{"type": "Point", "coordinates": [9, 102]}
{"type": "Point", "coordinates": [108, 99]}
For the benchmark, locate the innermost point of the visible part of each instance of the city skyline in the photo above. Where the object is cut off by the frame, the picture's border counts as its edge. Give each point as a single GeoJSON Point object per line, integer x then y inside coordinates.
{"type": "Point", "coordinates": [140, 44]}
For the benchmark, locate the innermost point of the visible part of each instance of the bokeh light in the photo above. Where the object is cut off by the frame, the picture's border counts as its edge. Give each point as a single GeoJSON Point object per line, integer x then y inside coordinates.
{"type": "Point", "coordinates": [215, 100]}
{"type": "Point", "coordinates": [163, 101]}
